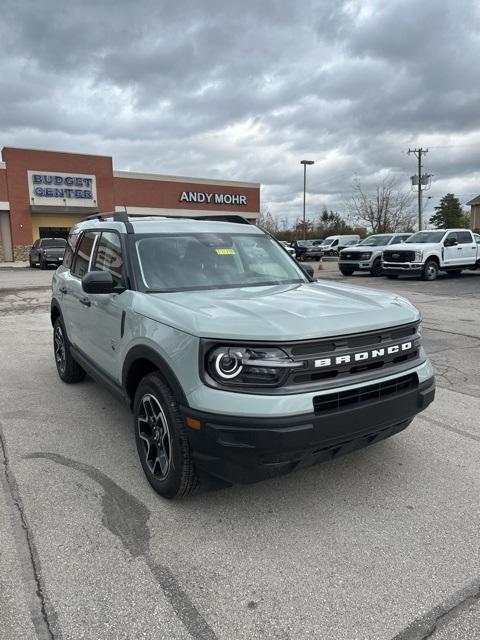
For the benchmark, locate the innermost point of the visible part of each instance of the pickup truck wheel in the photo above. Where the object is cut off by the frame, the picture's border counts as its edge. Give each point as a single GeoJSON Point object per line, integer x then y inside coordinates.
{"type": "Point", "coordinates": [430, 270]}
{"type": "Point", "coordinates": [346, 271]}
{"type": "Point", "coordinates": [68, 370]}
{"type": "Point", "coordinates": [161, 438]}
{"type": "Point", "coordinates": [376, 269]}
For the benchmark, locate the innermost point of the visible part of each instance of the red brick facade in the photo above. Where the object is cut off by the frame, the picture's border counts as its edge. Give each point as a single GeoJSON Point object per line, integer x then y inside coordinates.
{"type": "Point", "coordinates": [114, 189]}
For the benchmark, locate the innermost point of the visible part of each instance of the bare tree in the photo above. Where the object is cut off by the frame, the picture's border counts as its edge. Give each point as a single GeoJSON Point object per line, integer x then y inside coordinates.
{"type": "Point", "coordinates": [386, 210]}
{"type": "Point", "coordinates": [267, 221]}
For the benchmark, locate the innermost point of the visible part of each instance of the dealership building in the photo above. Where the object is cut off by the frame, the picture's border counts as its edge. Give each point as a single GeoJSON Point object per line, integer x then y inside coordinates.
{"type": "Point", "coordinates": [43, 193]}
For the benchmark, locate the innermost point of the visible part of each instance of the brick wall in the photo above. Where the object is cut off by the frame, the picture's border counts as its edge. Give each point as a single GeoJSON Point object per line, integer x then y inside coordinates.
{"type": "Point", "coordinates": [166, 195]}
{"type": "Point", "coordinates": [20, 160]}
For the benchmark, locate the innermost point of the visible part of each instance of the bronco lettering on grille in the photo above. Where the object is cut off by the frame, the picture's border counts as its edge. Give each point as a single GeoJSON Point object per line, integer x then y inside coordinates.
{"type": "Point", "coordinates": [364, 356]}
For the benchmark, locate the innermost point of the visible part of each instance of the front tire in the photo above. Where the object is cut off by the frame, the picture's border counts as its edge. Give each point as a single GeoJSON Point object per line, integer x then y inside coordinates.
{"type": "Point", "coordinates": [376, 269]}
{"type": "Point", "coordinates": [430, 271]}
{"type": "Point", "coordinates": [31, 263]}
{"type": "Point", "coordinates": [43, 264]}
{"type": "Point", "coordinates": [68, 369]}
{"type": "Point", "coordinates": [161, 438]}
{"type": "Point", "coordinates": [346, 271]}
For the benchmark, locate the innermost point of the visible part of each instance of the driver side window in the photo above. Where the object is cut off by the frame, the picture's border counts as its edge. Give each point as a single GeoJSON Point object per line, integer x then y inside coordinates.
{"type": "Point", "coordinates": [451, 239]}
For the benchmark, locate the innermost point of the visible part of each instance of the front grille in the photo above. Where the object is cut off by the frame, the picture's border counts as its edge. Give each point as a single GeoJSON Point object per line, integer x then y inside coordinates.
{"type": "Point", "coordinates": [370, 339]}
{"type": "Point", "coordinates": [370, 393]}
{"type": "Point", "coordinates": [399, 256]}
{"type": "Point", "coordinates": [350, 256]}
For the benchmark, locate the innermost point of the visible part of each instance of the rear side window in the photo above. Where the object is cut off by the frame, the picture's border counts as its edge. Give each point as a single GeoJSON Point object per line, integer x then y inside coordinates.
{"type": "Point", "coordinates": [109, 257]}
{"type": "Point", "coordinates": [464, 237]}
{"type": "Point", "coordinates": [70, 249]}
{"type": "Point", "coordinates": [84, 251]}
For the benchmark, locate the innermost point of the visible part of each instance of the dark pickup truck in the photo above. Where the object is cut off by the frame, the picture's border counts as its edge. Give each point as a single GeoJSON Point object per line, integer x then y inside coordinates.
{"type": "Point", "coordinates": [47, 251]}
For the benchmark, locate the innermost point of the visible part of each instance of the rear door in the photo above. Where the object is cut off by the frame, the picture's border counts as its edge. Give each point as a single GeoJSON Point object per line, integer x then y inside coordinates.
{"type": "Point", "coordinates": [75, 302]}
{"type": "Point", "coordinates": [468, 247]}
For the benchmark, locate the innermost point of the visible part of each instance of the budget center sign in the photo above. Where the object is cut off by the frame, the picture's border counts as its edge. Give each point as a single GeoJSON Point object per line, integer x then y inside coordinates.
{"type": "Point", "coordinates": [62, 189]}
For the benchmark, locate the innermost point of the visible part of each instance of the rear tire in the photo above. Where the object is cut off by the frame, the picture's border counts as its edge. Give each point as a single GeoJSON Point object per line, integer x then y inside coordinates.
{"type": "Point", "coordinates": [430, 271]}
{"type": "Point", "coordinates": [376, 269]}
{"type": "Point", "coordinates": [68, 369]}
{"type": "Point", "coordinates": [161, 438]}
{"type": "Point", "coordinates": [346, 271]}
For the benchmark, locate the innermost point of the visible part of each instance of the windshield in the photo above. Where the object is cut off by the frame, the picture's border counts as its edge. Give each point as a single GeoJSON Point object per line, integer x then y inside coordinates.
{"type": "Point", "coordinates": [304, 243]}
{"type": "Point", "coordinates": [184, 262]}
{"type": "Point", "coordinates": [422, 237]}
{"type": "Point", "coordinates": [60, 242]}
{"type": "Point", "coordinates": [375, 241]}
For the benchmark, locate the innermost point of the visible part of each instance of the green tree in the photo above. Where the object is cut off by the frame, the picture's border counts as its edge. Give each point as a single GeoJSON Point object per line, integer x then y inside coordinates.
{"type": "Point", "coordinates": [450, 214]}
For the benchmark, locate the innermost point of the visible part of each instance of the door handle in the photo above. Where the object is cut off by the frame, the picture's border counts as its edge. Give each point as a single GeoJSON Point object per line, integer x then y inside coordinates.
{"type": "Point", "coordinates": [459, 248]}
{"type": "Point", "coordinates": [85, 301]}
{"type": "Point", "coordinates": [63, 290]}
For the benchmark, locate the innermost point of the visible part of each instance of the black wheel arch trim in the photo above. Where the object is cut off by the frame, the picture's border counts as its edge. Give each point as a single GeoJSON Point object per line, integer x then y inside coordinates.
{"type": "Point", "coordinates": [54, 307]}
{"type": "Point", "coordinates": [143, 352]}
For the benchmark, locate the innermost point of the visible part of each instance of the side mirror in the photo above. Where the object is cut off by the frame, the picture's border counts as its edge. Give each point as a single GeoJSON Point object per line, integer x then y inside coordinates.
{"type": "Point", "coordinates": [306, 268]}
{"type": "Point", "coordinates": [98, 282]}
{"type": "Point", "coordinates": [450, 242]}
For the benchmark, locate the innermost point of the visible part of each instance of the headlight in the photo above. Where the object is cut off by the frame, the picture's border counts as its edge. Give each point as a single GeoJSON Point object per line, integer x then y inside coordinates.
{"type": "Point", "coordinates": [249, 366]}
{"type": "Point", "coordinates": [418, 256]}
{"type": "Point", "coordinates": [365, 256]}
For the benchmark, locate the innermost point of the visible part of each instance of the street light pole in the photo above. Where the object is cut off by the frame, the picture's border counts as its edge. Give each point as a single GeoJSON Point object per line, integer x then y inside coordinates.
{"type": "Point", "coordinates": [305, 162]}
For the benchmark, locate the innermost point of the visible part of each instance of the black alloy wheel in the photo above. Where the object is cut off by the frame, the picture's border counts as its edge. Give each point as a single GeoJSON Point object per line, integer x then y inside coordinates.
{"type": "Point", "coordinates": [162, 443]}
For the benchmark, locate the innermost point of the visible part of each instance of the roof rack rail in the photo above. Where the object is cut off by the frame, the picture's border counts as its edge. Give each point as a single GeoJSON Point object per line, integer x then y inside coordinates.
{"type": "Point", "coordinates": [116, 216]}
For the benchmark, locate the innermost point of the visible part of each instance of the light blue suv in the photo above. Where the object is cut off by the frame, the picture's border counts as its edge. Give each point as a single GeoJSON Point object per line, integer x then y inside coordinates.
{"type": "Point", "coordinates": [236, 365]}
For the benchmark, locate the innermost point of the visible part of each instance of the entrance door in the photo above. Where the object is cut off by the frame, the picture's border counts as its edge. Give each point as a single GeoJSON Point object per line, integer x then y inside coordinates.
{"type": "Point", "coordinates": [54, 232]}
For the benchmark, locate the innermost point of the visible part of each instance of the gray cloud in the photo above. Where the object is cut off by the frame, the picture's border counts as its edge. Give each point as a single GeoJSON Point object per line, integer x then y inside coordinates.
{"type": "Point", "coordinates": [245, 91]}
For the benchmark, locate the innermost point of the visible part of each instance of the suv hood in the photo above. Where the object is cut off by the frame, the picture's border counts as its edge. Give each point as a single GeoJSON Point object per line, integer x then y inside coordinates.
{"type": "Point", "coordinates": [278, 313]}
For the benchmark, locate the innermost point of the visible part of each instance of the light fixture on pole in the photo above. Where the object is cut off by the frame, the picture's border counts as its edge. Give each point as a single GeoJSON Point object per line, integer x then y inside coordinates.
{"type": "Point", "coordinates": [305, 162]}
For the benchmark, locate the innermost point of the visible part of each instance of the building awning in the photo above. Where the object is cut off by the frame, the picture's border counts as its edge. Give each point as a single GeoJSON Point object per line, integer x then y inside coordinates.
{"type": "Point", "coordinates": [39, 208]}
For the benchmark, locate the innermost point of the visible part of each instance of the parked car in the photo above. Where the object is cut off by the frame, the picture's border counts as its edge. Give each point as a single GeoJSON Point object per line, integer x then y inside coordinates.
{"type": "Point", "coordinates": [300, 247]}
{"type": "Point", "coordinates": [314, 251]}
{"type": "Point", "coordinates": [367, 254]}
{"type": "Point", "coordinates": [343, 244]}
{"type": "Point", "coordinates": [47, 251]}
{"type": "Point", "coordinates": [330, 244]}
{"type": "Point", "coordinates": [236, 366]}
{"type": "Point", "coordinates": [427, 252]}
{"type": "Point", "coordinates": [288, 247]}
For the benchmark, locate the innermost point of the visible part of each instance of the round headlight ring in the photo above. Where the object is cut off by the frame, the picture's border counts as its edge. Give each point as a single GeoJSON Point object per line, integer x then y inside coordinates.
{"type": "Point", "coordinates": [228, 365]}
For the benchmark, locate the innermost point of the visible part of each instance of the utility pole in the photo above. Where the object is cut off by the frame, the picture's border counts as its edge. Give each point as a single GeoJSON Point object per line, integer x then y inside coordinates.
{"type": "Point", "coordinates": [305, 162]}
{"type": "Point", "coordinates": [418, 154]}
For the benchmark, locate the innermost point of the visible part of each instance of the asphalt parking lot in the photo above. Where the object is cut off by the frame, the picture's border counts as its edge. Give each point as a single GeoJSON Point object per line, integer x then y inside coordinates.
{"type": "Point", "coordinates": [382, 544]}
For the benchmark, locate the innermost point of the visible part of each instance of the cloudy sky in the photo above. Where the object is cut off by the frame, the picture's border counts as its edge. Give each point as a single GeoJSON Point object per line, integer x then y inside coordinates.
{"type": "Point", "coordinates": [245, 90]}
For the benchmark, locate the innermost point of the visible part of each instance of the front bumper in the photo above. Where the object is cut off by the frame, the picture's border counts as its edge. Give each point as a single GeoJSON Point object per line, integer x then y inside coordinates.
{"type": "Point", "coordinates": [399, 268]}
{"type": "Point", "coordinates": [244, 449]}
{"type": "Point", "coordinates": [357, 265]}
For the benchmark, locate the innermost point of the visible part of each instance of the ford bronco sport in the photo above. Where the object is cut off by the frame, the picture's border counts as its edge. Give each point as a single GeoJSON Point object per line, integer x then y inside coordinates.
{"type": "Point", "coordinates": [236, 365]}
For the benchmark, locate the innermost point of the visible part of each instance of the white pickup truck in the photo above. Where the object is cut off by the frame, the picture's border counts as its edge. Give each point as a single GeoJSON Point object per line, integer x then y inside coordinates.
{"type": "Point", "coordinates": [428, 252]}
